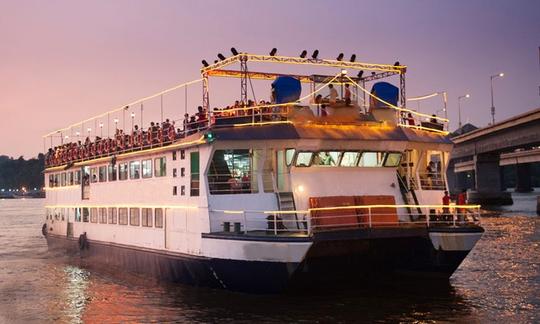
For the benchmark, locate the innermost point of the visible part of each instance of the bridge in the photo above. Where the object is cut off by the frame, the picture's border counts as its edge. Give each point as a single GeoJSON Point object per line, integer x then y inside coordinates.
{"type": "Point", "coordinates": [478, 157]}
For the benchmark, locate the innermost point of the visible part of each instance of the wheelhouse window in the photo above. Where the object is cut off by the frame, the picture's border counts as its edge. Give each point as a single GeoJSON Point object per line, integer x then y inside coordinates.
{"type": "Point", "coordinates": [147, 217]}
{"type": "Point", "coordinates": [63, 179]}
{"type": "Point", "coordinates": [134, 169]}
{"type": "Point", "coordinates": [303, 159]}
{"type": "Point", "coordinates": [122, 216]}
{"type": "Point", "coordinates": [289, 156]}
{"type": "Point", "coordinates": [93, 175]}
{"type": "Point", "coordinates": [349, 159]}
{"type": "Point", "coordinates": [326, 158]}
{"type": "Point", "coordinates": [160, 167]}
{"type": "Point", "coordinates": [123, 171]}
{"type": "Point", "coordinates": [102, 173]}
{"type": "Point", "coordinates": [112, 172]}
{"type": "Point", "coordinates": [231, 172]}
{"type": "Point", "coordinates": [134, 217]}
{"type": "Point", "coordinates": [147, 168]}
{"type": "Point", "coordinates": [112, 215]}
{"type": "Point", "coordinates": [392, 160]}
{"type": "Point", "coordinates": [371, 159]}
{"type": "Point", "coordinates": [77, 177]}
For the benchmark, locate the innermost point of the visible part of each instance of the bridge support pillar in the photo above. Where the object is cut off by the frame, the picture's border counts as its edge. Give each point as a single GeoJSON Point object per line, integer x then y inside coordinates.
{"type": "Point", "coordinates": [488, 182]}
{"type": "Point", "coordinates": [523, 178]}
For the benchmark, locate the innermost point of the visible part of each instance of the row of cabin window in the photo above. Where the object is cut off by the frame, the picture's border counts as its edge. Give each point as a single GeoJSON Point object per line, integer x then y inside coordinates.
{"type": "Point", "coordinates": [343, 158]}
{"type": "Point", "coordinates": [112, 172]}
{"type": "Point", "coordinates": [146, 217]}
{"type": "Point", "coordinates": [132, 169]}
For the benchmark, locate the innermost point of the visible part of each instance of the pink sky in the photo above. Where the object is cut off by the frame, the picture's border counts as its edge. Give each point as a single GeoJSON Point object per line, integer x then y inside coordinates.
{"type": "Point", "coordinates": [64, 61]}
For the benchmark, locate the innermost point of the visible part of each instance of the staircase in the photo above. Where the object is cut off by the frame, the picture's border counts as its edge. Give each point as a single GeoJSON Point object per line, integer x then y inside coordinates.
{"type": "Point", "coordinates": [286, 203]}
{"type": "Point", "coordinates": [409, 197]}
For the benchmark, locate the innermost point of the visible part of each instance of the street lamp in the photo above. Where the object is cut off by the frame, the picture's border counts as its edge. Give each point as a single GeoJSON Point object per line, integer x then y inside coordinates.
{"type": "Point", "coordinates": [101, 129]}
{"type": "Point", "coordinates": [459, 108]}
{"type": "Point", "coordinates": [132, 120]}
{"type": "Point", "coordinates": [492, 104]}
{"type": "Point", "coordinates": [116, 124]}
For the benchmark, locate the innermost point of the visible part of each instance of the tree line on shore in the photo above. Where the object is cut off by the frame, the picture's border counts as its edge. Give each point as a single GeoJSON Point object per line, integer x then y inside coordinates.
{"type": "Point", "coordinates": [19, 173]}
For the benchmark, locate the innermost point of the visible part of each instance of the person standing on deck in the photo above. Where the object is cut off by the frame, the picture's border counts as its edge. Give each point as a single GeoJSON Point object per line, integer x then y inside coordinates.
{"type": "Point", "coordinates": [446, 202]}
{"type": "Point", "coordinates": [333, 95]}
{"type": "Point", "coordinates": [347, 95]}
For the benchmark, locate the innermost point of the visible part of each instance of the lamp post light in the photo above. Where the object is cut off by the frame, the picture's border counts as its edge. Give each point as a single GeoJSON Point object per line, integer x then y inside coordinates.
{"type": "Point", "coordinates": [459, 108]}
{"type": "Point", "coordinates": [101, 129]}
{"type": "Point", "coordinates": [132, 121]}
{"type": "Point", "coordinates": [115, 125]}
{"type": "Point", "coordinates": [492, 104]}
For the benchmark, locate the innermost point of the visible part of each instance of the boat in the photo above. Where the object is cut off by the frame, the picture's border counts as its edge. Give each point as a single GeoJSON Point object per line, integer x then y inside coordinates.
{"type": "Point", "coordinates": [261, 196]}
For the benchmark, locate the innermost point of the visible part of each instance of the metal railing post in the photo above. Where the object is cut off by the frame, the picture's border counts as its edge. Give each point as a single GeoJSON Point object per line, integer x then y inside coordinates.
{"type": "Point", "coordinates": [245, 222]}
{"type": "Point", "coordinates": [428, 215]}
{"type": "Point", "coordinates": [369, 216]}
{"type": "Point", "coordinates": [454, 216]}
{"type": "Point", "coordinates": [275, 224]}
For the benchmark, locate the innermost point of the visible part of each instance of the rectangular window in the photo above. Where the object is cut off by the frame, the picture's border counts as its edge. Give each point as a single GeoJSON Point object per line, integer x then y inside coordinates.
{"type": "Point", "coordinates": [112, 215]}
{"type": "Point", "coordinates": [160, 167]}
{"type": "Point", "coordinates": [51, 180]}
{"type": "Point", "coordinates": [147, 217]}
{"type": "Point", "coordinates": [195, 176]}
{"type": "Point", "coordinates": [174, 172]}
{"type": "Point", "coordinates": [85, 214]}
{"type": "Point", "coordinates": [158, 212]}
{"type": "Point", "coordinates": [70, 179]}
{"type": "Point", "coordinates": [77, 177]}
{"type": "Point", "coordinates": [392, 160]}
{"type": "Point", "coordinates": [182, 154]}
{"type": "Point", "coordinates": [123, 171]}
{"type": "Point", "coordinates": [175, 190]}
{"type": "Point", "coordinates": [182, 190]}
{"type": "Point", "coordinates": [112, 172]}
{"type": "Point", "coordinates": [63, 179]}
{"type": "Point", "coordinates": [93, 175]}
{"type": "Point", "coordinates": [103, 215]}
{"type": "Point", "coordinates": [134, 169]}
{"type": "Point", "coordinates": [77, 214]}
{"type": "Point", "coordinates": [57, 180]}
{"type": "Point", "coordinates": [330, 158]}
{"type": "Point", "coordinates": [147, 168]}
{"type": "Point", "coordinates": [174, 155]}
{"type": "Point", "coordinates": [371, 159]}
{"type": "Point", "coordinates": [93, 215]}
{"type": "Point", "coordinates": [182, 172]}
{"type": "Point", "coordinates": [232, 172]}
{"type": "Point", "coordinates": [303, 159]}
{"type": "Point", "coordinates": [122, 216]}
{"type": "Point", "coordinates": [102, 173]}
{"type": "Point", "coordinates": [349, 159]}
{"type": "Point", "coordinates": [134, 217]}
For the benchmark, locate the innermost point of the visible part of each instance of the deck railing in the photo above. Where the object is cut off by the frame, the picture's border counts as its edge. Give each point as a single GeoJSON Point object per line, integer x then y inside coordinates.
{"type": "Point", "coordinates": [307, 222]}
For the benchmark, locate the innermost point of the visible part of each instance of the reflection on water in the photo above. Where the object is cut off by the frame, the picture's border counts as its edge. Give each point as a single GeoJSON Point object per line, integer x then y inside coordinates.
{"type": "Point", "coordinates": [499, 281]}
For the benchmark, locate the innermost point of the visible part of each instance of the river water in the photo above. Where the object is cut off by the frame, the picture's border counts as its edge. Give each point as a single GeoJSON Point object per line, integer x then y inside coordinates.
{"type": "Point", "coordinates": [498, 282]}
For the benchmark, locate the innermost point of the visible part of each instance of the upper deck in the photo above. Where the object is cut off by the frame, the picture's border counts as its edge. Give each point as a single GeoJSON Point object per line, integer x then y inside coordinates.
{"type": "Point", "coordinates": [352, 113]}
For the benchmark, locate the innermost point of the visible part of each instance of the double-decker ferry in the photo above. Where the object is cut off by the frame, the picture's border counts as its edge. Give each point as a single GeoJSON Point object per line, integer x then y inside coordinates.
{"type": "Point", "coordinates": [325, 181]}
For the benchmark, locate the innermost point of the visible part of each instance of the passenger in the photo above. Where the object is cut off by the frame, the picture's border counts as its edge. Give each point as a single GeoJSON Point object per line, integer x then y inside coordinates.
{"type": "Point", "coordinates": [324, 113]}
{"type": "Point", "coordinates": [333, 94]}
{"type": "Point", "coordinates": [462, 200]}
{"type": "Point", "coordinates": [192, 126]}
{"type": "Point", "coordinates": [429, 174]}
{"type": "Point", "coordinates": [410, 119]}
{"type": "Point", "coordinates": [245, 182]}
{"type": "Point", "coordinates": [446, 211]}
{"type": "Point", "coordinates": [318, 102]}
{"type": "Point", "coordinates": [433, 119]}
{"type": "Point", "coordinates": [347, 96]}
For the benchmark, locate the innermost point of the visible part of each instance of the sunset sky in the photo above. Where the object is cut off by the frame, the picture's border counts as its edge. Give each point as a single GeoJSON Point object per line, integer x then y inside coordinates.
{"type": "Point", "coordinates": [64, 61]}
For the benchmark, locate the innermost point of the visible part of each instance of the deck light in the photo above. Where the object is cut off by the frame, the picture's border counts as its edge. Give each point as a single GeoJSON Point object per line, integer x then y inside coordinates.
{"type": "Point", "coordinates": [77, 133]}
{"type": "Point", "coordinates": [66, 137]}
{"type": "Point", "coordinates": [89, 130]}
{"type": "Point", "coordinates": [273, 51]}
{"type": "Point", "coordinates": [360, 74]}
{"type": "Point", "coordinates": [204, 63]}
{"type": "Point", "coordinates": [215, 61]}
{"type": "Point", "coordinates": [303, 55]}
{"type": "Point", "coordinates": [221, 57]}
{"type": "Point", "coordinates": [234, 51]}
{"type": "Point", "coordinates": [343, 72]}
{"type": "Point", "coordinates": [501, 74]}
{"type": "Point", "coordinates": [132, 114]}
{"type": "Point", "coordinates": [339, 57]}
{"type": "Point", "coordinates": [209, 137]}
{"type": "Point", "coordinates": [315, 54]}
{"type": "Point", "coordinates": [353, 57]}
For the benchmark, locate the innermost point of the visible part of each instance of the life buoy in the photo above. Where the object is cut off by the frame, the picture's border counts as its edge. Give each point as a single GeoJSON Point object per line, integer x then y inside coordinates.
{"type": "Point", "coordinates": [83, 242]}
{"type": "Point", "coordinates": [44, 229]}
